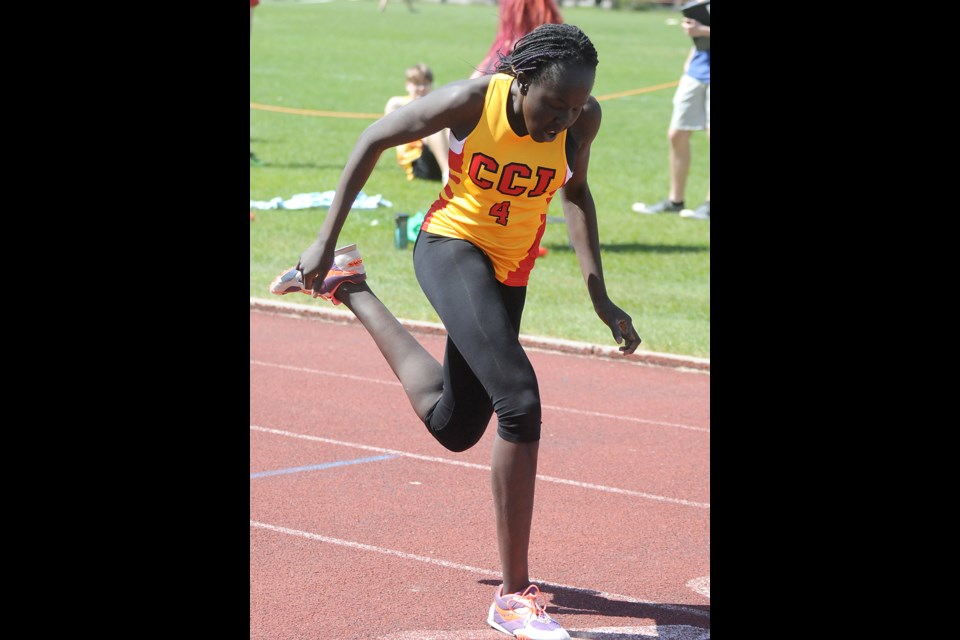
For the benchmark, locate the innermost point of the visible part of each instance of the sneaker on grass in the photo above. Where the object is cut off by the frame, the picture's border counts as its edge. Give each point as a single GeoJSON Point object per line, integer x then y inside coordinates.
{"type": "Point", "coordinates": [700, 213]}
{"type": "Point", "coordinates": [664, 206]}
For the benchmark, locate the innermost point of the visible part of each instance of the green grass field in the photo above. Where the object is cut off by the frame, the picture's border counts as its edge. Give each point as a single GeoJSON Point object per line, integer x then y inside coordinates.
{"type": "Point", "coordinates": [344, 57]}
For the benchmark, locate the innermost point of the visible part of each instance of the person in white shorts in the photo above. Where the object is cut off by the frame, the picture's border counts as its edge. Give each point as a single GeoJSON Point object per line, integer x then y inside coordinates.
{"type": "Point", "coordinates": [691, 112]}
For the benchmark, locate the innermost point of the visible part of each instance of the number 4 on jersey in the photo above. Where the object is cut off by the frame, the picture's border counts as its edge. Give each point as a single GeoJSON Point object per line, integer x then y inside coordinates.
{"type": "Point", "coordinates": [501, 211]}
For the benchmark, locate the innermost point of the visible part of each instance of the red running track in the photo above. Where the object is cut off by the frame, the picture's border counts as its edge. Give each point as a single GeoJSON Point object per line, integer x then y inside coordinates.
{"type": "Point", "coordinates": [363, 527]}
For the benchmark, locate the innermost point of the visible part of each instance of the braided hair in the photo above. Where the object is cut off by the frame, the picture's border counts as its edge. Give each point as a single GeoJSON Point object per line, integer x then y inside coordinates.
{"type": "Point", "coordinates": [547, 48]}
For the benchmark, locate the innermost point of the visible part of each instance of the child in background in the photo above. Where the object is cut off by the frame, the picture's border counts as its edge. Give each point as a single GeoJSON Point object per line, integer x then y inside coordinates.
{"type": "Point", "coordinates": [426, 158]}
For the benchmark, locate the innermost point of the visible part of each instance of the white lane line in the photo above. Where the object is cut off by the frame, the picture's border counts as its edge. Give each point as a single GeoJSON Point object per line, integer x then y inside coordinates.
{"type": "Point", "coordinates": [394, 383]}
{"type": "Point", "coordinates": [597, 414]}
{"type": "Point", "coordinates": [366, 547]}
{"type": "Point", "coordinates": [701, 586]}
{"type": "Point", "coordinates": [482, 467]}
{"type": "Point", "coordinates": [465, 567]}
{"type": "Point", "coordinates": [334, 374]}
{"type": "Point", "coordinates": [663, 632]}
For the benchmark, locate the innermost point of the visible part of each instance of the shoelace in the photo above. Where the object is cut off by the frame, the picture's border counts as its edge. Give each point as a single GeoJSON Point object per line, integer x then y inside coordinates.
{"type": "Point", "coordinates": [529, 599]}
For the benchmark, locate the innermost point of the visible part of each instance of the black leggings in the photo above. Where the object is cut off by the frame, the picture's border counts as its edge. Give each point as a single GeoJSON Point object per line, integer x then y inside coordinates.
{"type": "Point", "coordinates": [485, 369]}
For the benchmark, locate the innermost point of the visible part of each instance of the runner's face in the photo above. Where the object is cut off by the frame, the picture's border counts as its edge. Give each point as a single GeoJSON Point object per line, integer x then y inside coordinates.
{"type": "Point", "coordinates": [552, 106]}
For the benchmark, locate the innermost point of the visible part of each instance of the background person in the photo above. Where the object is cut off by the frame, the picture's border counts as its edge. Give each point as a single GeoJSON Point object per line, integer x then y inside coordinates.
{"type": "Point", "coordinates": [516, 18]}
{"type": "Point", "coordinates": [425, 158]}
{"type": "Point", "coordinates": [383, 6]}
{"type": "Point", "coordinates": [253, 158]}
{"type": "Point", "coordinates": [691, 112]}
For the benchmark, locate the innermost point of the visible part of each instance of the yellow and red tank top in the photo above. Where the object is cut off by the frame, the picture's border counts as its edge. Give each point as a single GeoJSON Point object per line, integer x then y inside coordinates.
{"type": "Point", "coordinates": [500, 188]}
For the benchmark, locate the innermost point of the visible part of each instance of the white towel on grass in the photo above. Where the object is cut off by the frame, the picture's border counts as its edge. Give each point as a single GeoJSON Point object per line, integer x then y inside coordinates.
{"type": "Point", "coordinates": [319, 199]}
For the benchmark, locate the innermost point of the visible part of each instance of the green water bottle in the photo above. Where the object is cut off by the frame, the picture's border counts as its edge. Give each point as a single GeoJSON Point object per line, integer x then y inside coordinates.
{"type": "Point", "coordinates": [400, 230]}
